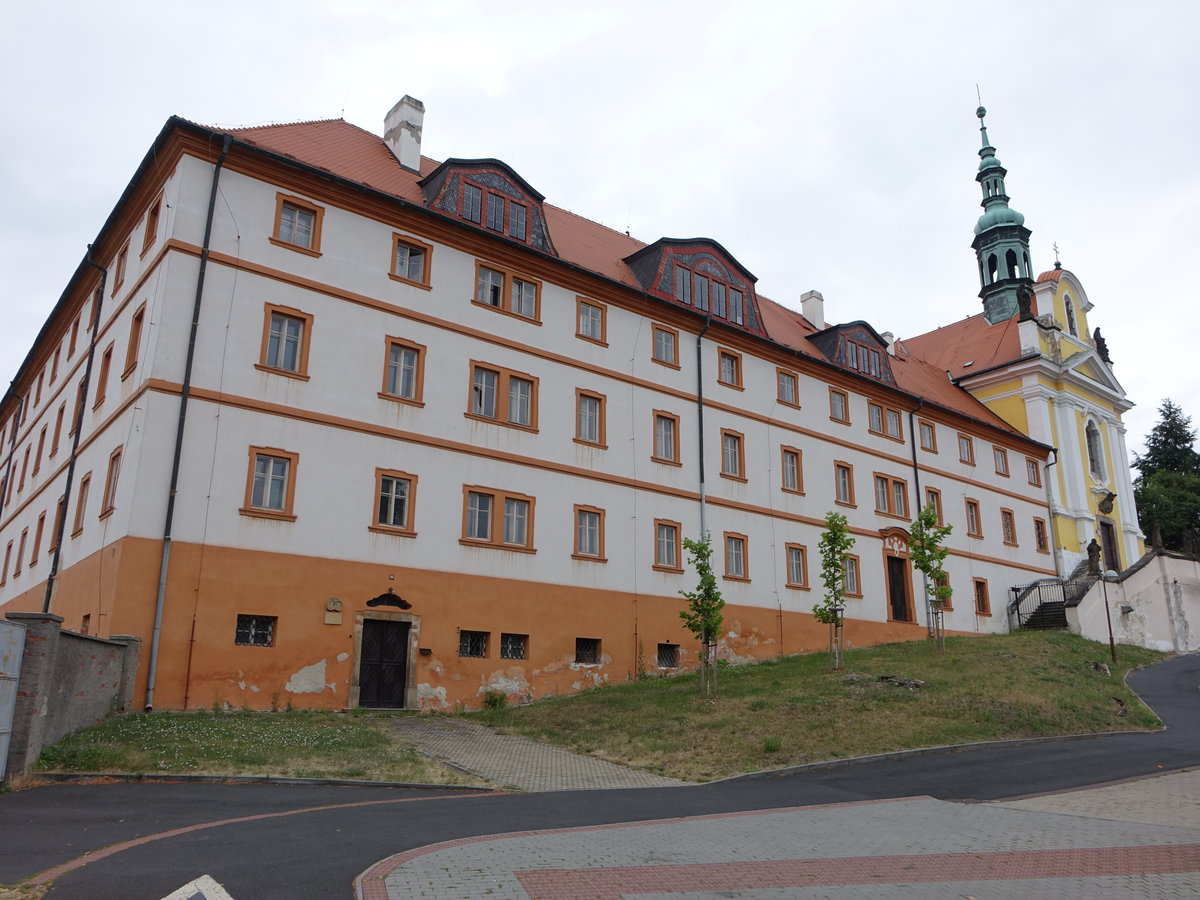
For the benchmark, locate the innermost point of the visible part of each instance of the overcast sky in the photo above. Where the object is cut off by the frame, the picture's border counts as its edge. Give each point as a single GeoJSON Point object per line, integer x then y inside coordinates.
{"type": "Point", "coordinates": [827, 145]}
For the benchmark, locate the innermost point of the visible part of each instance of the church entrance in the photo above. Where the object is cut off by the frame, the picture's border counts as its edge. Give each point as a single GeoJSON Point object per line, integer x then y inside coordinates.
{"type": "Point", "coordinates": [1108, 542]}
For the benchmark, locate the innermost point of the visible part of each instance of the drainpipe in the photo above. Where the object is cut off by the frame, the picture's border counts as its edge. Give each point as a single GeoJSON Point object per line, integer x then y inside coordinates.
{"type": "Point", "coordinates": [83, 392]}
{"type": "Point", "coordinates": [12, 449]}
{"type": "Point", "coordinates": [1050, 505]}
{"type": "Point", "coordinates": [164, 564]}
{"type": "Point", "coordinates": [700, 418]}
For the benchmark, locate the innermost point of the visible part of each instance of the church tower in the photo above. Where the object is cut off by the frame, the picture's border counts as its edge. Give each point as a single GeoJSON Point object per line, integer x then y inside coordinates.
{"type": "Point", "coordinates": [1001, 239]}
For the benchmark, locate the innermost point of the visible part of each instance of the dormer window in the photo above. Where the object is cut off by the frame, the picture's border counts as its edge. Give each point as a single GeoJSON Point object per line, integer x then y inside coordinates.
{"type": "Point", "coordinates": [472, 202]}
{"type": "Point", "coordinates": [487, 193]}
{"type": "Point", "coordinates": [863, 358]}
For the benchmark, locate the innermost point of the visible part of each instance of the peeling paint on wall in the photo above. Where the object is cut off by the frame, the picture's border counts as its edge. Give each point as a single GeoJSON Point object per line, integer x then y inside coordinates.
{"type": "Point", "coordinates": [342, 657]}
{"type": "Point", "coordinates": [511, 681]}
{"type": "Point", "coordinates": [309, 680]}
{"type": "Point", "coordinates": [431, 698]}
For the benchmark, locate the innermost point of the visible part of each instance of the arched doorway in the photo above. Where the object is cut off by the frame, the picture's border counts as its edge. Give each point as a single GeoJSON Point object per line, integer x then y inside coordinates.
{"type": "Point", "coordinates": [898, 576]}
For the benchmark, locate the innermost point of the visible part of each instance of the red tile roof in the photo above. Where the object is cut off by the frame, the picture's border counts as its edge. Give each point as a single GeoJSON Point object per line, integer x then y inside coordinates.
{"type": "Point", "coordinates": [970, 345]}
{"type": "Point", "coordinates": [350, 152]}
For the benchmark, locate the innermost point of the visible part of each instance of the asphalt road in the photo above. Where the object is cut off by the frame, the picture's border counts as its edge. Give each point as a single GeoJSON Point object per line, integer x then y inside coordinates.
{"type": "Point", "coordinates": [309, 841]}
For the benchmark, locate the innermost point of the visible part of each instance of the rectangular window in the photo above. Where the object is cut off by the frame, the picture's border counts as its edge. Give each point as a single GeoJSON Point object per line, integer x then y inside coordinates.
{"type": "Point", "coordinates": [983, 605]}
{"type": "Point", "coordinates": [77, 413]}
{"type": "Point", "coordinates": [24, 468]}
{"type": "Point", "coordinates": [974, 522]}
{"type": "Point", "coordinates": [666, 437]}
{"type": "Point", "coordinates": [54, 363]}
{"type": "Point", "coordinates": [666, 546]}
{"type": "Point", "coordinates": [736, 306]}
{"type": "Point", "coordinates": [928, 436]}
{"type": "Point", "coordinates": [850, 576]}
{"type": "Point", "coordinates": [404, 373]}
{"type": "Point", "coordinates": [1008, 526]}
{"type": "Point", "coordinates": [271, 484]}
{"type": "Point", "coordinates": [787, 382]}
{"type": "Point", "coordinates": [791, 465]}
{"type": "Point", "coordinates": [21, 551]}
{"type": "Point", "coordinates": [843, 484]}
{"type": "Point", "coordinates": [591, 321]}
{"type": "Point", "coordinates": [933, 497]}
{"type": "Point", "coordinates": [472, 203]}
{"type": "Point", "coordinates": [255, 631]}
{"type": "Point", "coordinates": [700, 292]}
{"type": "Point", "coordinates": [74, 338]}
{"type": "Point", "coordinates": [41, 446]}
{"type": "Point", "coordinates": [736, 565]}
{"type": "Point", "coordinates": [7, 563]}
{"type": "Point", "coordinates": [718, 299]}
{"type": "Point", "coordinates": [472, 643]}
{"type": "Point", "coordinates": [668, 656]}
{"type": "Point", "coordinates": [729, 368]}
{"type": "Point", "coordinates": [797, 566]}
{"type": "Point", "coordinates": [499, 518]}
{"type": "Point", "coordinates": [504, 290]}
{"type": "Point", "coordinates": [513, 646]}
{"type": "Point", "coordinates": [589, 533]}
{"type": "Point", "coordinates": [102, 377]}
{"type": "Point", "coordinates": [297, 225]}
{"type": "Point", "coordinates": [109, 502]}
{"type": "Point", "coordinates": [85, 485]}
{"type": "Point", "coordinates": [285, 341]}
{"type": "Point", "coordinates": [1001, 457]}
{"type": "Point", "coordinates": [37, 394]}
{"type": "Point", "coordinates": [587, 651]}
{"type": "Point", "coordinates": [495, 212]}
{"type": "Point", "coordinates": [666, 346]}
{"type": "Point", "coordinates": [885, 421]}
{"type": "Point", "coordinates": [37, 539]}
{"type": "Point", "coordinates": [410, 260]}
{"type": "Point", "coordinates": [1033, 471]}
{"type": "Point", "coordinates": [589, 418]}
{"type": "Point", "coordinates": [119, 270]}
{"type": "Point", "coordinates": [135, 340]}
{"type": "Point", "coordinates": [516, 222]}
{"type": "Point", "coordinates": [839, 406]}
{"type": "Point", "coordinates": [395, 493]}
{"type": "Point", "coordinates": [891, 496]}
{"type": "Point", "coordinates": [503, 396]}
{"type": "Point", "coordinates": [151, 232]}
{"type": "Point", "coordinates": [683, 284]}
{"type": "Point", "coordinates": [59, 511]}
{"type": "Point", "coordinates": [966, 449]}
{"type": "Point", "coordinates": [732, 459]}
{"type": "Point", "coordinates": [1040, 537]}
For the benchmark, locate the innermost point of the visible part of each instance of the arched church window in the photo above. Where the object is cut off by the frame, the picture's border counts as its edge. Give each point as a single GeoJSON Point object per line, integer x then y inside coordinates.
{"type": "Point", "coordinates": [993, 264]}
{"type": "Point", "coordinates": [1095, 450]}
{"type": "Point", "coordinates": [1010, 261]}
{"type": "Point", "coordinates": [1028, 268]}
{"type": "Point", "coordinates": [1071, 326]}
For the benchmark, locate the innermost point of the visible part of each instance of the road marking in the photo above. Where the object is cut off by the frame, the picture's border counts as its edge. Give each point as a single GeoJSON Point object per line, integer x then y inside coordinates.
{"type": "Point", "coordinates": [203, 888]}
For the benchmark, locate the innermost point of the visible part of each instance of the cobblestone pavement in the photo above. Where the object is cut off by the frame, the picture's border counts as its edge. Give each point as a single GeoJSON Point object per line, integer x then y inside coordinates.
{"type": "Point", "coordinates": [515, 762]}
{"type": "Point", "coordinates": [1171, 799]}
{"type": "Point", "coordinates": [912, 847]}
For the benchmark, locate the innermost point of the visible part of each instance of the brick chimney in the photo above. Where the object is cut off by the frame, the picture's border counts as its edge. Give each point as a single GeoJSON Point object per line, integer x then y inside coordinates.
{"type": "Point", "coordinates": [402, 132]}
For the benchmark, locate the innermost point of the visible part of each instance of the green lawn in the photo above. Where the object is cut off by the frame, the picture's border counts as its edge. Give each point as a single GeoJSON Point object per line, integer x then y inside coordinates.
{"type": "Point", "coordinates": [793, 710]}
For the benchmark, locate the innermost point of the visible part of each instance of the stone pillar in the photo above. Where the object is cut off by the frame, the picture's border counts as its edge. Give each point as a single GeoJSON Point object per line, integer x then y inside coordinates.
{"type": "Point", "coordinates": [129, 667]}
{"type": "Point", "coordinates": [35, 688]}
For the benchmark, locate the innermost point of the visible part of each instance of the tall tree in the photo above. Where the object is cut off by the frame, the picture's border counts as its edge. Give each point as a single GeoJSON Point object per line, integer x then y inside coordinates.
{"type": "Point", "coordinates": [1167, 489]}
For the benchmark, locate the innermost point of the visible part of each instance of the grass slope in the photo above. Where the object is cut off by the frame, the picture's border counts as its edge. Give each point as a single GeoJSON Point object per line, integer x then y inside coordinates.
{"type": "Point", "coordinates": [793, 710]}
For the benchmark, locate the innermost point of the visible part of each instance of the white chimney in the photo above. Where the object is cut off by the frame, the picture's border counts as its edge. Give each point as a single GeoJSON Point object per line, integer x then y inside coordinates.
{"type": "Point", "coordinates": [402, 131]}
{"type": "Point", "coordinates": [812, 307]}
{"type": "Point", "coordinates": [890, 340]}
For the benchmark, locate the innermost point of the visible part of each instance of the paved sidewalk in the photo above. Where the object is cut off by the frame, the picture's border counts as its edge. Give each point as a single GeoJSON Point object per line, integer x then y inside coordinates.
{"type": "Point", "coordinates": [913, 847]}
{"type": "Point", "coordinates": [515, 762]}
{"type": "Point", "coordinates": [1171, 799]}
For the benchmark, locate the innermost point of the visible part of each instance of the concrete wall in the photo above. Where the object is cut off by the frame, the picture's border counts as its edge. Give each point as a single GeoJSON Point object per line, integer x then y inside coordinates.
{"type": "Point", "coordinates": [68, 681]}
{"type": "Point", "coordinates": [1155, 603]}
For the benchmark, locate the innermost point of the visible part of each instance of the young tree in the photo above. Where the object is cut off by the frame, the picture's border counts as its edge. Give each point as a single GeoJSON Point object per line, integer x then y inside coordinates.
{"type": "Point", "coordinates": [834, 544]}
{"type": "Point", "coordinates": [703, 615]}
{"type": "Point", "coordinates": [1167, 489]}
{"type": "Point", "coordinates": [927, 550]}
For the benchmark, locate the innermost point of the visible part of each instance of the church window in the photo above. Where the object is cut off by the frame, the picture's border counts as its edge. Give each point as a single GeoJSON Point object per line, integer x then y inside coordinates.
{"type": "Point", "coordinates": [1010, 259]}
{"type": "Point", "coordinates": [993, 266]}
{"type": "Point", "coordinates": [1095, 450]}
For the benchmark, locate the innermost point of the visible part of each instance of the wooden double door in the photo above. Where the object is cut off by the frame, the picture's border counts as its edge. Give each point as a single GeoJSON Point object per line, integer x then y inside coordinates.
{"type": "Point", "coordinates": [383, 664]}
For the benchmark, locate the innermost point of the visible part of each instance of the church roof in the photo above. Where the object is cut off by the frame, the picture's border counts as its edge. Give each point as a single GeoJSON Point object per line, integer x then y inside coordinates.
{"type": "Point", "coordinates": [1053, 275]}
{"type": "Point", "coordinates": [968, 346]}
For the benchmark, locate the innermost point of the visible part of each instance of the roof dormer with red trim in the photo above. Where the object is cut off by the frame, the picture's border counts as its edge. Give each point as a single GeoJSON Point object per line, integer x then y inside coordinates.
{"type": "Point", "coordinates": [858, 347]}
{"type": "Point", "coordinates": [488, 194]}
{"type": "Point", "coordinates": [701, 274]}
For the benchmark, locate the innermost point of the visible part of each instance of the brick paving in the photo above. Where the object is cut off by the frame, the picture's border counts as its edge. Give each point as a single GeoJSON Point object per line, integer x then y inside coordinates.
{"type": "Point", "coordinates": [1171, 799]}
{"type": "Point", "coordinates": [515, 762]}
{"type": "Point", "coordinates": [918, 847]}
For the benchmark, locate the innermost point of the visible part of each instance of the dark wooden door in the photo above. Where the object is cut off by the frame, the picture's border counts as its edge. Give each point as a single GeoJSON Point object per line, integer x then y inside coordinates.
{"type": "Point", "coordinates": [1108, 540]}
{"type": "Point", "coordinates": [383, 663]}
{"type": "Point", "coordinates": [897, 576]}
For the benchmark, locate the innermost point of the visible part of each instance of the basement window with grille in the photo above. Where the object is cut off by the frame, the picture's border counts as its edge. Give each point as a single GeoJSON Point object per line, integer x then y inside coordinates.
{"type": "Point", "coordinates": [587, 651]}
{"type": "Point", "coordinates": [512, 646]}
{"type": "Point", "coordinates": [255, 631]}
{"type": "Point", "coordinates": [668, 656]}
{"type": "Point", "coordinates": [472, 643]}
